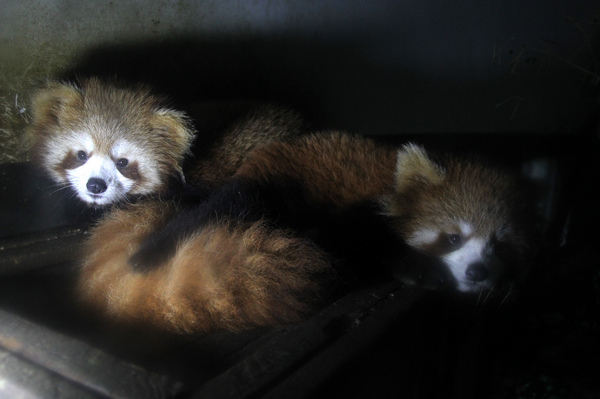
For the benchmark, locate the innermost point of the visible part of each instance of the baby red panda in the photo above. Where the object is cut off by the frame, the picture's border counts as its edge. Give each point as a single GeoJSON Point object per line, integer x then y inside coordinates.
{"type": "Point", "coordinates": [109, 142]}
{"type": "Point", "coordinates": [467, 216]}
{"type": "Point", "coordinates": [460, 213]}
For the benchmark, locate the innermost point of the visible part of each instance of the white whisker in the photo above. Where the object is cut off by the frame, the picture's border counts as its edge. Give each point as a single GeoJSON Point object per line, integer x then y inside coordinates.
{"type": "Point", "coordinates": [59, 187]}
{"type": "Point", "coordinates": [489, 293]}
{"type": "Point", "coordinates": [479, 296]}
{"type": "Point", "coordinates": [510, 286]}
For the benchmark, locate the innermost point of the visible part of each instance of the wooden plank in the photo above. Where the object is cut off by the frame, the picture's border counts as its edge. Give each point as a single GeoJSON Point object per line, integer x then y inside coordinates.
{"type": "Point", "coordinates": [38, 250]}
{"type": "Point", "coordinates": [81, 364]}
{"type": "Point", "coordinates": [289, 351]}
{"type": "Point", "coordinates": [32, 202]}
{"type": "Point", "coordinates": [361, 332]}
{"type": "Point", "coordinates": [20, 379]}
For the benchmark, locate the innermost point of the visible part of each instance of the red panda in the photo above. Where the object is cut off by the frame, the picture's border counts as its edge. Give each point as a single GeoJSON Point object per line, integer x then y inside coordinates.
{"type": "Point", "coordinates": [109, 142]}
{"type": "Point", "coordinates": [460, 213]}
{"type": "Point", "coordinates": [467, 216]}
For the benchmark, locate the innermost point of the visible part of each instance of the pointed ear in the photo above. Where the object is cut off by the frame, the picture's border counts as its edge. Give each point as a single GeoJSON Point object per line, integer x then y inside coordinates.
{"type": "Point", "coordinates": [414, 169]}
{"type": "Point", "coordinates": [56, 102]}
{"type": "Point", "coordinates": [175, 127]}
{"type": "Point", "coordinates": [414, 165]}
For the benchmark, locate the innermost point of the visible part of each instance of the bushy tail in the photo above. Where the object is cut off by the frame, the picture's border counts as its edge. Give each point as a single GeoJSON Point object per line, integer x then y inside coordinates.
{"type": "Point", "coordinates": [261, 126]}
{"type": "Point", "coordinates": [225, 276]}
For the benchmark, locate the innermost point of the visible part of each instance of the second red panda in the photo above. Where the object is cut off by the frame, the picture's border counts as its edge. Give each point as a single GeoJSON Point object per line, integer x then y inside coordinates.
{"type": "Point", "coordinates": [459, 212]}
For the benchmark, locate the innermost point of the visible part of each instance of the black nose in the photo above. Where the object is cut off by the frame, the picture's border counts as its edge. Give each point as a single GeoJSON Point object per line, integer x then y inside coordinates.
{"type": "Point", "coordinates": [96, 186]}
{"type": "Point", "coordinates": [477, 272]}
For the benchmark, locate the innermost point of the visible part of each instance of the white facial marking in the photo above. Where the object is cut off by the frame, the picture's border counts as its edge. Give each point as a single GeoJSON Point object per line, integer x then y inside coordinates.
{"type": "Point", "coordinates": [465, 228]}
{"type": "Point", "coordinates": [458, 261]}
{"type": "Point", "coordinates": [423, 237]}
{"type": "Point", "coordinates": [99, 166]}
{"type": "Point", "coordinates": [124, 149]}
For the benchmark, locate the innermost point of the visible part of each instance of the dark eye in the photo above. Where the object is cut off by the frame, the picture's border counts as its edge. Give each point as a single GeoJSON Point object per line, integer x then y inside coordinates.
{"type": "Point", "coordinates": [81, 155]}
{"type": "Point", "coordinates": [454, 239]}
{"type": "Point", "coordinates": [122, 162]}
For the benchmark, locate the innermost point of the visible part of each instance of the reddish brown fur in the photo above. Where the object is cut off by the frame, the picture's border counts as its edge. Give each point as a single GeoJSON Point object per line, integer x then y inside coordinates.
{"type": "Point", "coordinates": [232, 277]}
{"type": "Point", "coordinates": [227, 277]}
{"type": "Point", "coordinates": [222, 278]}
{"type": "Point", "coordinates": [335, 169]}
{"type": "Point", "coordinates": [264, 125]}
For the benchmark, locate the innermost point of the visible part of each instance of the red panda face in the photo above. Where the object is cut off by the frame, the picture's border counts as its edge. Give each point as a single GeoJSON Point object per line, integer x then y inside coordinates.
{"type": "Point", "coordinates": [105, 174]}
{"type": "Point", "coordinates": [460, 214]}
{"type": "Point", "coordinates": [106, 142]}
{"type": "Point", "coordinates": [475, 260]}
